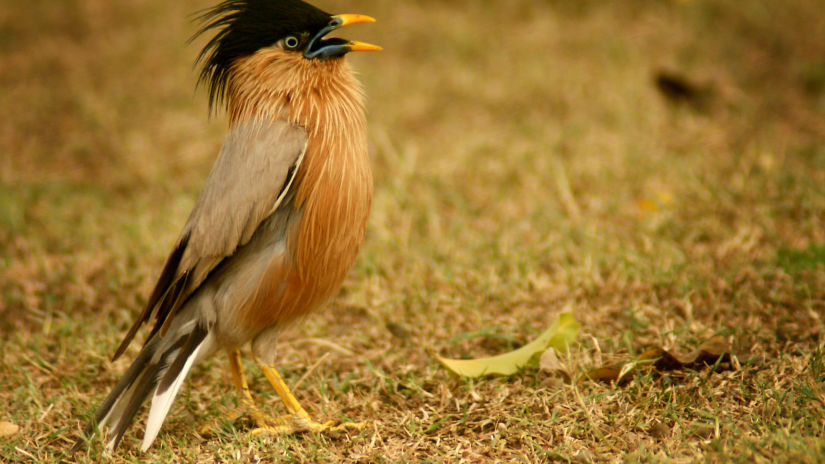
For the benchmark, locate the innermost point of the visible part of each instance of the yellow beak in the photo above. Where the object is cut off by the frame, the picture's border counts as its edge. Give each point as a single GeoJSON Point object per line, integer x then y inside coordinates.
{"type": "Point", "coordinates": [342, 20]}
{"type": "Point", "coordinates": [348, 19]}
{"type": "Point", "coordinates": [356, 46]}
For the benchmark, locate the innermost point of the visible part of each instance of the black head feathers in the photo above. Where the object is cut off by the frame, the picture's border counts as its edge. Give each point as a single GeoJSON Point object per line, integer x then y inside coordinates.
{"type": "Point", "coordinates": [246, 26]}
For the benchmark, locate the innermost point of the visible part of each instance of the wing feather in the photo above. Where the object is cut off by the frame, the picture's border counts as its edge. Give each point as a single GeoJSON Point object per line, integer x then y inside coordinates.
{"type": "Point", "coordinates": [250, 178]}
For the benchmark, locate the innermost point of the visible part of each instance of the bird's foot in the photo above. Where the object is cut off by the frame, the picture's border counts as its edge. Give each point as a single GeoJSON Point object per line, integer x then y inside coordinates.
{"type": "Point", "coordinates": [244, 410]}
{"type": "Point", "coordinates": [296, 423]}
{"type": "Point", "coordinates": [297, 420]}
{"type": "Point", "coordinates": [280, 425]}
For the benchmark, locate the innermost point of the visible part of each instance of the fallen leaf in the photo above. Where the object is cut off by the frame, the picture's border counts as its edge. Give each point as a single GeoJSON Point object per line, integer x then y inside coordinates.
{"type": "Point", "coordinates": [7, 429]}
{"type": "Point", "coordinates": [559, 336]}
{"type": "Point", "coordinates": [702, 431]}
{"type": "Point", "coordinates": [549, 362]}
{"type": "Point", "coordinates": [658, 430]}
{"type": "Point", "coordinates": [680, 89]}
{"type": "Point", "coordinates": [714, 350]}
{"type": "Point", "coordinates": [398, 330]}
{"type": "Point", "coordinates": [604, 374]}
{"type": "Point", "coordinates": [655, 202]}
{"type": "Point", "coordinates": [584, 456]}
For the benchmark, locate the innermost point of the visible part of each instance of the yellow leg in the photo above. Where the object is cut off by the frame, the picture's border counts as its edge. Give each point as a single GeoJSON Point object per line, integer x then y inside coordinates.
{"type": "Point", "coordinates": [238, 376]}
{"type": "Point", "coordinates": [246, 405]}
{"type": "Point", "coordinates": [297, 420]}
{"type": "Point", "coordinates": [282, 390]}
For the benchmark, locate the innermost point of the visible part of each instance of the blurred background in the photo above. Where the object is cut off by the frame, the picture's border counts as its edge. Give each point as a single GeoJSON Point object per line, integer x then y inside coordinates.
{"type": "Point", "coordinates": [657, 166]}
{"type": "Point", "coordinates": [496, 127]}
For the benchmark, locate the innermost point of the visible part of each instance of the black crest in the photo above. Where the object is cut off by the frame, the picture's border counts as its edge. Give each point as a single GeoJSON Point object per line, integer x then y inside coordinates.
{"type": "Point", "coordinates": [244, 27]}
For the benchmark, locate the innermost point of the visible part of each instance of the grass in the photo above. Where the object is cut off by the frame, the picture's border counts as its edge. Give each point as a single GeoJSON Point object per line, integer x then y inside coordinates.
{"type": "Point", "coordinates": [525, 165]}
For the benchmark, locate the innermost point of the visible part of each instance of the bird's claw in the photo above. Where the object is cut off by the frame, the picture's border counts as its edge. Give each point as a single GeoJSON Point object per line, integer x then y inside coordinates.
{"type": "Point", "coordinates": [281, 425]}
{"type": "Point", "coordinates": [249, 410]}
{"type": "Point", "coordinates": [296, 423]}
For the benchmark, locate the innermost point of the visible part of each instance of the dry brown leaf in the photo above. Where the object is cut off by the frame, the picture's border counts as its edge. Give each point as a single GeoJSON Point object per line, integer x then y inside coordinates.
{"type": "Point", "coordinates": [714, 350]}
{"type": "Point", "coordinates": [605, 374]}
{"type": "Point", "coordinates": [7, 429]}
{"type": "Point", "coordinates": [658, 430]}
{"type": "Point", "coordinates": [549, 362]}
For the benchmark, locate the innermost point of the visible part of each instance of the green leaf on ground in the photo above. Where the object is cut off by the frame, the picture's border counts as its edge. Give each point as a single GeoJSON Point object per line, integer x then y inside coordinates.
{"type": "Point", "coordinates": [559, 336]}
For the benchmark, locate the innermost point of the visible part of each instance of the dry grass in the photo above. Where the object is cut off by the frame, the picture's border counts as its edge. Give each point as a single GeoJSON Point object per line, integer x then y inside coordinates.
{"type": "Point", "coordinates": [524, 163]}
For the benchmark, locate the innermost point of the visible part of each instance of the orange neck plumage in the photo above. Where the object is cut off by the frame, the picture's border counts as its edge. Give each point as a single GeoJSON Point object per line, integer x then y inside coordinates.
{"type": "Point", "coordinates": [321, 95]}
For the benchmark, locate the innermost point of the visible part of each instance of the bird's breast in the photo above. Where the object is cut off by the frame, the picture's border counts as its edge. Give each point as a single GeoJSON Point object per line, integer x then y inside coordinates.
{"type": "Point", "coordinates": [333, 192]}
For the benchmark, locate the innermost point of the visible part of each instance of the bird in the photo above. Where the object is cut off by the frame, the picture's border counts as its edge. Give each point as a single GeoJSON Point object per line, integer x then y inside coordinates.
{"type": "Point", "coordinates": [278, 223]}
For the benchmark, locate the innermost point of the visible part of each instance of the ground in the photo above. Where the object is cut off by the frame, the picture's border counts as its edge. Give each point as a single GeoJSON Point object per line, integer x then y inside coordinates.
{"type": "Point", "coordinates": [655, 168]}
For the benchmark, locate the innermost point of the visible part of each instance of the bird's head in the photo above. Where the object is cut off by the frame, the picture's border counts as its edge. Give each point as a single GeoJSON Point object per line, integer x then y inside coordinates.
{"type": "Point", "coordinates": [292, 29]}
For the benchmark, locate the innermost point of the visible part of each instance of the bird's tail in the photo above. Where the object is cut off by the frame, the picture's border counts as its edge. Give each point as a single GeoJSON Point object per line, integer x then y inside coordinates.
{"type": "Point", "coordinates": [158, 371]}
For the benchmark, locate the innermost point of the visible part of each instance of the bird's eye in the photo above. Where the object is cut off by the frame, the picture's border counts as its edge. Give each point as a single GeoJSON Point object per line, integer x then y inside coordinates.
{"type": "Point", "coordinates": [291, 42]}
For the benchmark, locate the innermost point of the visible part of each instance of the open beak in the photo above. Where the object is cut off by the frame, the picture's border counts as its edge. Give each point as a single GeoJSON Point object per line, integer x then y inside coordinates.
{"type": "Point", "coordinates": [350, 19]}
{"type": "Point", "coordinates": [331, 48]}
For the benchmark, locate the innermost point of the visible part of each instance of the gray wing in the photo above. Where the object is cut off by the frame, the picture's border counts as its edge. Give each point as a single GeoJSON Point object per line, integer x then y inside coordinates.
{"type": "Point", "coordinates": [252, 174]}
